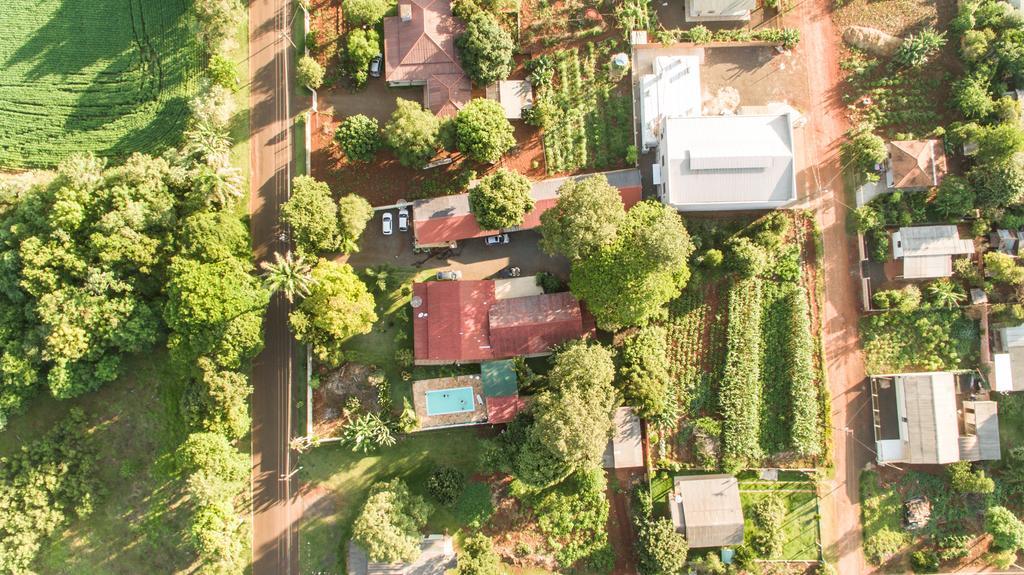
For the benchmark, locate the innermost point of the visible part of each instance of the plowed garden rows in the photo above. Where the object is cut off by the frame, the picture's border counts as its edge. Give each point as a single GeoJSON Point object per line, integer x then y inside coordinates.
{"type": "Point", "coordinates": [107, 76]}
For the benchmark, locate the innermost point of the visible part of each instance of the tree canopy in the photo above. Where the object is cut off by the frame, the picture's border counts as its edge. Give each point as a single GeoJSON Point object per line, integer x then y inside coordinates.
{"type": "Point", "coordinates": [630, 280]}
{"type": "Point", "coordinates": [388, 526]}
{"type": "Point", "coordinates": [212, 237]}
{"type": "Point", "coordinates": [359, 138]}
{"type": "Point", "coordinates": [364, 12]}
{"type": "Point", "coordinates": [478, 557]}
{"type": "Point", "coordinates": [501, 200]}
{"type": "Point", "coordinates": [661, 549]}
{"type": "Point", "coordinates": [411, 133]}
{"type": "Point", "coordinates": [313, 217]}
{"type": "Point", "coordinates": [645, 377]}
{"type": "Point", "coordinates": [486, 50]}
{"type": "Point", "coordinates": [338, 307]}
{"type": "Point", "coordinates": [585, 219]}
{"type": "Point", "coordinates": [573, 420]}
{"type": "Point", "coordinates": [482, 132]}
{"type": "Point", "coordinates": [354, 212]}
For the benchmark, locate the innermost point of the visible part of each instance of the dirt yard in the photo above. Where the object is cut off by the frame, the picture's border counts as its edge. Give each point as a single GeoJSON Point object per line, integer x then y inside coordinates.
{"type": "Point", "coordinates": [337, 389]}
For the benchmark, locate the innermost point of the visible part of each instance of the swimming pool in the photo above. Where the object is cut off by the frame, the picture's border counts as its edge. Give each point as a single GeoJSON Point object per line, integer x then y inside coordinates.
{"type": "Point", "coordinates": [449, 401]}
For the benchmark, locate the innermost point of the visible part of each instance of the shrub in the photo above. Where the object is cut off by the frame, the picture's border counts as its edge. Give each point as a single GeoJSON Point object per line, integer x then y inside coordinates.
{"type": "Point", "coordinates": [917, 49]}
{"type": "Point", "coordinates": [661, 550]}
{"type": "Point", "coordinates": [769, 514]}
{"type": "Point", "coordinates": [478, 557]}
{"type": "Point", "coordinates": [954, 199]}
{"type": "Point", "coordinates": [388, 526]}
{"type": "Point", "coordinates": [309, 73]}
{"type": "Point", "coordinates": [971, 97]}
{"type": "Point", "coordinates": [998, 184]}
{"type": "Point", "coordinates": [1007, 531]}
{"type": "Point", "coordinates": [359, 138]}
{"type": "Point", "coordinates": [952, 547]}
{"type": "Point", "coordinates": [445, 484]}
{"type": "Point", "coordinates": [925, 561]}
{"type": "Point", "coordinates": [550, 283]}
{"type": "Point", "coordinates": [863, 150]}
{"type": "Point", "coordinates": [645, 377]}
{"type": "Point", "coordinates": [222, 71]}
{"type": "Point", "coordinates": [963, 480]}
{"type": "Point", "coordinates": [711, 259]}
{"type": "Point", "coordinates": [906, 299]}
{"type": "Point", "coordinates": [361, 46]}
{"type": "Point", "coordinates": [745, 257]}
{"type": "Point", "coordinates": [1003, 268]}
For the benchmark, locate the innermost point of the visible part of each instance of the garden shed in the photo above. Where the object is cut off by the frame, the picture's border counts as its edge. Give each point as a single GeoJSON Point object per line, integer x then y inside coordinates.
{"type": "Point", "coordinates": [707, 509]}
{"type": "Point", "coordinates": [625, 448]}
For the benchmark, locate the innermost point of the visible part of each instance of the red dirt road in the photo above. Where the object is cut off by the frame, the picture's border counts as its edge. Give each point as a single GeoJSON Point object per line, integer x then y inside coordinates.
{"type": "Point", "coordinates": [275, 518]}
{"type": "Point", "coordinates": [841, 530]}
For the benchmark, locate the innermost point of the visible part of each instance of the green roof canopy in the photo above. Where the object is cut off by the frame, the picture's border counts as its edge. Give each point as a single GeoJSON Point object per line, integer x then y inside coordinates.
{"type": "Point", "coordinates": [499, 378]}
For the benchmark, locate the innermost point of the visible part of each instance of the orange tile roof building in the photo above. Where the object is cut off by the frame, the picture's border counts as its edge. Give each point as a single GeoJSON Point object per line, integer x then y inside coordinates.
{"type": "Point", "coordinates": [916, 164]}
{"type": "Point", "coordinates": [419, 50]}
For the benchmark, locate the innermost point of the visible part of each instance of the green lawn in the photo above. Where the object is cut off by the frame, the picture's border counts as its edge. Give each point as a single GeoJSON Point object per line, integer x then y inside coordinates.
{"type": "Point", "coordinates": [107, 76]}
{"type": "Point", "coordinates": [800, 526]}
{"type": "Point", "coordinates": [137, 525]}
{"type": "Point", "coordinates": [346, 477]}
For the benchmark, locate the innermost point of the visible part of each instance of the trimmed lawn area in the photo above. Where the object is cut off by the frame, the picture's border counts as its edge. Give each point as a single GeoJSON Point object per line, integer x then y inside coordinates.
{"type": "Point", "coordinates": [138, 523]}
{"type": "Point", "coordinates": [105, 76]}
{"type": "Point", "coordinates": [341, 479]}
{"type": "Point", "coordinates": [800, 526]}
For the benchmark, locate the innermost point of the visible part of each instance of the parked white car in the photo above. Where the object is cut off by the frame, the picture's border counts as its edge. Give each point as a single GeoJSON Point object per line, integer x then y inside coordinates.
{"type": "Point", "coordinates": [403, 219]}
{"type": "Point", "coordinates": [388, 223]}
{"type": "Point", "coordinates": [497, 240]}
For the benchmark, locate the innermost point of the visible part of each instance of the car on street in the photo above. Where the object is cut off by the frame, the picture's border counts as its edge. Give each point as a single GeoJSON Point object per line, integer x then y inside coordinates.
{"type": "Point", "coordinates": [449, 275]}
{"type": "Point", "coordinates": [387, 223]}
{"type": "Point", "coordinates": [497, 240]}
{"type": "Point", "coordinates": [403, 219]}
{"type": "Point", "coordinates": [375, 66]}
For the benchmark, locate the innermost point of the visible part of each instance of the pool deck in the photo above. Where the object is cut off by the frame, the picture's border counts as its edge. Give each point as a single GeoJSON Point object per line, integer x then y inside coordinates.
{"type": "Point", "coordinates": [419, 400]}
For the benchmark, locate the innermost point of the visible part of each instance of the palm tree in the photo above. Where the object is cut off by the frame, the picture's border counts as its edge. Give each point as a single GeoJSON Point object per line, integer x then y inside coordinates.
{"type": "Point", "coordinates": [945, 293]}
{"type": "Point", "coordinates": [288, 275]}
{"type": "Point", "coordinates": [220, 184]}
{"type": "Point", "coordinates": [206, 144]}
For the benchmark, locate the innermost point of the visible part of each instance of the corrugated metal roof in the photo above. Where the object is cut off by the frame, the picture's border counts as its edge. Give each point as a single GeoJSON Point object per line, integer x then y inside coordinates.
{"type": "Point", "coordinates": [928, 267]}
{"type": "Point", "coordinates": [930, 417]}
{"type": "Point", "coordinates": [624, 449]}
{"type": "Point", "coordinates": [933, 241]}
{"type": "Point", "coordinates": [986, 426]}
{"type": "Point", "coordinates": [721, 8]}
{"type": "Point", "coordinates": [673, 89]}
{"type": "Point", "coordinates": [513, 95]}
{"type": "Point", "coordinates": [755, 155]}
{"type": "Point", "coordinates": [707, 509]}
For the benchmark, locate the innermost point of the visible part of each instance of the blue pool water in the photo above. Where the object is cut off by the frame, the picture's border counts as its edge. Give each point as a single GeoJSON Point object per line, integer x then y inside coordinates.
{"type": "Point", "coordinates": [448, 401]}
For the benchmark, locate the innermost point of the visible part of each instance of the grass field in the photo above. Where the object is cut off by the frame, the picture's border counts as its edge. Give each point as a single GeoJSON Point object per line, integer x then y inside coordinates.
{"type": "Point", "coordinates": [137, 523]}
{"type": "Point", "coordinates": [107, 76]}
{"type": "Point", "coordinates": [342, 479]}
{"type": "Point", "coordinates": [800, 525]}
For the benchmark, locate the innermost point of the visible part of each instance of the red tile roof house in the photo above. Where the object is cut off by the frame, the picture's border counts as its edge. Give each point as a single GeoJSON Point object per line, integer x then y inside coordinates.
{"type": "Point", "coordinates": [419, 50]}
{"type": "Point", "coordinates": [439, 221]}
{"type": "Point", "coordinates": [464, 322]}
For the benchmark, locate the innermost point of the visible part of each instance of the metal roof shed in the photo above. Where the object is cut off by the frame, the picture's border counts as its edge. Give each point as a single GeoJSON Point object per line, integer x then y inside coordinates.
{"type": "Point", "coordinates": [625, 448]}
{"type": "Point", "coordinates": [707, 509]}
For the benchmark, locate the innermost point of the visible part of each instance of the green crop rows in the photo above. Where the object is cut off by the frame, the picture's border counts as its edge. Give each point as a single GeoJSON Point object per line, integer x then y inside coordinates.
{"type": "Point", "coordinates": [106, 76]}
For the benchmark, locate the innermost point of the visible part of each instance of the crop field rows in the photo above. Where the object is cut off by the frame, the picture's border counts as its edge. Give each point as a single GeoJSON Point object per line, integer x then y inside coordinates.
{"type": "Point", "coordinates": [594, 124]}
{"type": "Point", "coordinates": [107, 76]}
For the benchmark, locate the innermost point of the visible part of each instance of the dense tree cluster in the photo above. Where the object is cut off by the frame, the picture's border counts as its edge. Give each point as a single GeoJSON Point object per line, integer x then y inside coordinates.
{"type": "Point", "coordinates": [319, 224]}
{"type": "Point", "coordinates": [51, 481]}
{"type": "Point", "coordinates": [388, 526]}
{"type": "Point", "coordinates": [645, 379]}
{"type": "Point", "coordinates": [338, 307]}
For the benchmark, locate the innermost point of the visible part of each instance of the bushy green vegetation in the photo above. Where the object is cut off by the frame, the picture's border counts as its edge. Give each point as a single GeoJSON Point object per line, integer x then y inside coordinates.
{"type": "Point", "coordinates": [881, 517]}
{"type": "Point", "coordinates": [486, 49]}
{"type": "Point", "coordinates": [919, 339]}
{"type": "Point", "coordinates": [388, 527]}
{"type": "Point", "coordinates": [644, 374]}
{"type": "Point", "coordinates": [338, 307]}
{"type": "Point", "coordinates": [359, 138]}
{"type": "Point", "coordinates": [103, 77]}
{"type": "Point", "coordinates": [781, 520]}
{"type": "Point", "coordinates": [50, 482]}
{"type": "Point", "coordinates": [740, 392]}
{"type": "Point", "coordinates": [574, 518]}
{"type": "Point", "coordinates": [501, 200]}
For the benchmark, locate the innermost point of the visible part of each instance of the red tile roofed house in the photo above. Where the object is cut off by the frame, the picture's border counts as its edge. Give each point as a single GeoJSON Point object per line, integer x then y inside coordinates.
{"type": "Point", "coordinates": [440, 221]}
{"type": "Point", "coordinates": [463, 322]}
{"type": "Point", "coordinates": [916, 164]}
{"type": "Point", "coordinates": [419, 50]}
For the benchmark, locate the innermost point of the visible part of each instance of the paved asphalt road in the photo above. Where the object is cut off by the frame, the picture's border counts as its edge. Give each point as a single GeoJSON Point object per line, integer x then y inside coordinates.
{"type": "Point", "coordinates": [275, 518]}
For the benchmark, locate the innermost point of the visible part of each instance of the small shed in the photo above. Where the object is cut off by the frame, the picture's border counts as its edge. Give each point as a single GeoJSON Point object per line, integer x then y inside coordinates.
{"type": "Point", "coordinates": [707, 509]}
{"type": "Point", "coordinates": [513, 95]}
{"type": "Point", "coordinates": [625, 448]}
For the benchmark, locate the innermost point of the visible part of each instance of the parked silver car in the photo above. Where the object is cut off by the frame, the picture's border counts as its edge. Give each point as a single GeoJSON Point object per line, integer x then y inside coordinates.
{"type": "Point", "coordinates": [449, 275]}
{"type": "Point", "coordinates": [497, 240]}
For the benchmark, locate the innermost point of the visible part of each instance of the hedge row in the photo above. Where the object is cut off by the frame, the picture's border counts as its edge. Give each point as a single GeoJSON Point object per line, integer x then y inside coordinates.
{"type": "Point", "coordinates": [740, 393]}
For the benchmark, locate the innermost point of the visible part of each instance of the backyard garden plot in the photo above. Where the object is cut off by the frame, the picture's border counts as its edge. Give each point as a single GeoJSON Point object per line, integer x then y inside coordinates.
{"type": "Point", "coordinates": [106, 76]}
{"type": "Point", "coordinates": [743, 357]}
{"type": "Point", "coordinates": [592, 123]}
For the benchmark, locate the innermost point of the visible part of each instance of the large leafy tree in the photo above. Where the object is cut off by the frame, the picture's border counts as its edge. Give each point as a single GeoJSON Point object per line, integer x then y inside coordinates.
{"type": "Point", "coordinates": [572, 421]}
{"type": "Point", "coordinates": [661, 549]}
{"type": "Point", "coordinates": [81, 259]}
{"type": "Point", "coordinates": [337, 308]}
{"type": "Point", "coordinates": [388, 526]}
{"type": "Point", "coordinates": [482, 132]}
{"type": "Point", "coordinates": [585, 219]}
{"type": "Point", "coordinates": [215, 310]}
{"type": "Point", "coordinates": [213, 236]}
{"type": "Point", "coordinates": [486, 49]}
{"type": "Point", "coordinates": [313, 217]}
{"type": "Point", "coordinates": [218, 401]}
{"type": "Point", "coordinates": [501, 200]}
{"type": "Point", "coordinates": [364, 12]}
{"type": "Point", "coordinates": [412, 133]}
{"type": "Point", "coordinates": [630, 280]}
{"type": "Point", "coordinates": [354, 212]}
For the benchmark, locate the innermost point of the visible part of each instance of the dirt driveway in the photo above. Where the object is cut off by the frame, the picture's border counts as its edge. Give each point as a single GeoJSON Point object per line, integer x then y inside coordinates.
{"type": "Point", "coordinates": [472, 257]}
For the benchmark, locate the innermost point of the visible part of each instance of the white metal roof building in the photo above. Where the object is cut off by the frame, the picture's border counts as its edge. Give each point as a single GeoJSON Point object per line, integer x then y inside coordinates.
{"type": "Point", "coordinates": [672, 90]}
{"type": "Point", "coordinates": [719, 10]}
{"type": "Point", "coordinates": [917, 421]}
{"type": "Point", "coordinates": [624, 448]}
{"type": "Point", "coordinates": [1009, 364]}
{"type": "Point", "coordinates": [720, 163]}
{"type": "Point", "coordinates": [513, 95]}
{"type": "Point", "coordinates": [927, 251]}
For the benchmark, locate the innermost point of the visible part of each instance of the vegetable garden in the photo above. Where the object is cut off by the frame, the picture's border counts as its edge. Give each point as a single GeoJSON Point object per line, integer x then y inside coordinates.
{"type": "Point", "coordinates": [747, 369]}
{"type": "Point", "coordinates": [93, 76]}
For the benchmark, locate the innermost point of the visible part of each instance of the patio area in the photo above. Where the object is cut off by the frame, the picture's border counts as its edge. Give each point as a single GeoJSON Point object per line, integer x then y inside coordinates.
{"type": "Point", "coordinates": [490, 397]}
{"type": "Point", "coordinates": [430, 388]}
